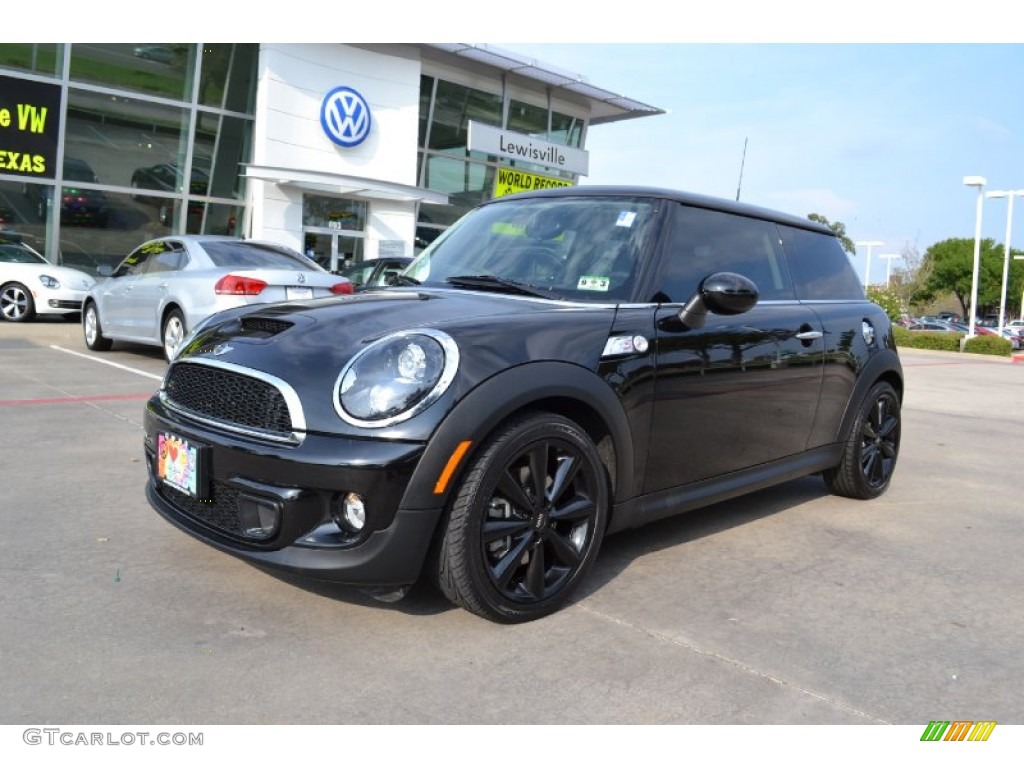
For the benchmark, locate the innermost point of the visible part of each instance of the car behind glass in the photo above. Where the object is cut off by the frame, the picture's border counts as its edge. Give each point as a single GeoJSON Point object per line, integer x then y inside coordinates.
{"type": "Point", "coordinates": [556, 367]}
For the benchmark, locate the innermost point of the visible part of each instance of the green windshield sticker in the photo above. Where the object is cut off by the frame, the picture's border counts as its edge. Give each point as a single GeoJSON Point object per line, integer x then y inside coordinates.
{"type": "Point", "coordinates": [592, 283]}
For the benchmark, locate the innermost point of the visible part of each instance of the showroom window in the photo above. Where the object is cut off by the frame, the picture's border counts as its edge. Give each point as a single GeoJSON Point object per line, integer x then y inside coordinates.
{"type": "Point", "coordinates": [152, 140]}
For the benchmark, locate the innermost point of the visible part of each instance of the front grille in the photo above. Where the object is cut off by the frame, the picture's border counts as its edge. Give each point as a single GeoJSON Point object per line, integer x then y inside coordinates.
{"type": "Point", "coordinates": [220, 512]}
{"type": "Point", "coordinates": [228, 398]}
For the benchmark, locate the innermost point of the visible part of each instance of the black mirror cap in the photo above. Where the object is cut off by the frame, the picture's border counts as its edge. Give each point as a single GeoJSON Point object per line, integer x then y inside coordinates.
{"type": "Point", "coordinates": [727, 293]}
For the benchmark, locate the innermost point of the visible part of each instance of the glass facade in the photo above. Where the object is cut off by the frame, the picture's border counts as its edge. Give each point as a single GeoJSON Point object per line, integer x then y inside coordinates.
{"type": "Point", "coordinates": [468, 178]}
{"type": "Point", "coordinates": [151, 141]}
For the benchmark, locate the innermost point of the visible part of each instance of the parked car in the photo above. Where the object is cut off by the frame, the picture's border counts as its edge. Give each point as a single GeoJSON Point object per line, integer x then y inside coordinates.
{"type": "Point", "coordinates": [936, 326]}
{"type": "Point", "coordinates": [558, 366]}
{"type": "Point", "coordinates": [78, 205]}
{"type": "Point", "coordinates": [165, 287]}
{"type": "Point", "coordinates": [374, 272]}
{"type": "Point", "coordinates": [153, 52]}
{"type": "Point", "coordinates": [167, 177]}
{"type": "Point", "coordinates": [30, 285]}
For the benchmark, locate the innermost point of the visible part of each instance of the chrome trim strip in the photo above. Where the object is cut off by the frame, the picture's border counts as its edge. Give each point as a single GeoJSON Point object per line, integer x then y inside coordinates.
{"type": "Point", "coordinates": [291, 400]}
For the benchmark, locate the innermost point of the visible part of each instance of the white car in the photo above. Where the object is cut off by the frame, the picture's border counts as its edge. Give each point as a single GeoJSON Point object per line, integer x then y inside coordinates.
{"type": "Point", "coordinates": [165, 287]}
{"type": "Point", "coordinates": [30, 285]}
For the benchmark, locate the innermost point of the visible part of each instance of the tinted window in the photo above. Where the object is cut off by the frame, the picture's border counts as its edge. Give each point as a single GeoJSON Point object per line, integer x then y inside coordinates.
{"type": "Point", "coordinates": [15, 253]}
{"type": "Point", "coordinates": [820, 267]}
{"type": "Point", "coordinates": [252, 255]}
{"type": "Point", "coordinates": [704, 242]}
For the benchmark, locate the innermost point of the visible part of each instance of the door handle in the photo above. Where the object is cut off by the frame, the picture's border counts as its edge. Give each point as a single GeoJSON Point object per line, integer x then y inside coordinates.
{"type": "Point", "coordinates": [809, 335]}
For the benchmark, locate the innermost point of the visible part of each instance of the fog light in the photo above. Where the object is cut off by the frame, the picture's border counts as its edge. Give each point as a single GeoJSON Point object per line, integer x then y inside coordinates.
{"type": "Point", "coordinates": [258, 517]}
{"type": "Point", "coordinates": [350, 515]}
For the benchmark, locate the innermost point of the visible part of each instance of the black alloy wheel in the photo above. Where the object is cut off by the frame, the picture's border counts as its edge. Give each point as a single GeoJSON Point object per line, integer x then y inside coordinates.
{"type": "Point", "coordinates": [527, 522]}
{"type": "Point", "coordinates": [872, 448]}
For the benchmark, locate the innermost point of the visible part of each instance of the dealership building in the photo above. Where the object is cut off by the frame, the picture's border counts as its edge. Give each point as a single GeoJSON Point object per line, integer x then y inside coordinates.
{"type": "Point", "coordinates": [344, 151]}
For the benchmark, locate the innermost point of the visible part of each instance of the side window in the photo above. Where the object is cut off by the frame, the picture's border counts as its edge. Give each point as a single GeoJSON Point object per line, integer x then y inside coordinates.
{"type": "Point", "coordinates": [705, 241]}
{"type": "Point", "coordinates": [820, 267]}
{"type": "Point", "coordinates": [170, 260]}
{"type": "Point", "coordinates": [134, 263]}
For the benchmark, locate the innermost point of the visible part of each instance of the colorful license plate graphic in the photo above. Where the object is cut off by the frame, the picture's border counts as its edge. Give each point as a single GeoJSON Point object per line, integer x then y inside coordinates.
{"type": "Point", "coordinates": [178, 463]}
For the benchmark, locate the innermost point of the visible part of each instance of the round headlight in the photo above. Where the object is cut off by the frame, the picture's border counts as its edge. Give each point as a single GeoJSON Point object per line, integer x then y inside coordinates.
{"type": "Point", "coordinates": [396, 377]}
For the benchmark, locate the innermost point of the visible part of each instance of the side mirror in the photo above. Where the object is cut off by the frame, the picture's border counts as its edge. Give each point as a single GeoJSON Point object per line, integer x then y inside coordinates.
{"type": "Point", "coordinates": [104, 270]}
{"type": "Point", "coordinates": [723, 293]}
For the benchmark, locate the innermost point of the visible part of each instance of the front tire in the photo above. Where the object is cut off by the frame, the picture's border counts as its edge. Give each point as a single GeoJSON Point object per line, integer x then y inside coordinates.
{"type": "Point", "coordinates": [92, 330]}
{"type": "Point", "coordinates": [173, 333]}
{"type": "Point", "coordinates": [527, 522]}
{"type": "Point", "coordinates": [16, 303]}
{"type": "Point", "coordinates": [872, 447]}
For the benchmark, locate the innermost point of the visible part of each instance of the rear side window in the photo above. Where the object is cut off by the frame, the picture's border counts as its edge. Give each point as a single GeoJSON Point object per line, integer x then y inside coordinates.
{"type": "Point", "coordinates": [820, 267]}
{"type": "Point", "coordinates": [704, 242]}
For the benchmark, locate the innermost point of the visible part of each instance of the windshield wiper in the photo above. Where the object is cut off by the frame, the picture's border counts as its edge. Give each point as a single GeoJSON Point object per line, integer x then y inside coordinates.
{"type": "Point", "coordinates": [492, 283]}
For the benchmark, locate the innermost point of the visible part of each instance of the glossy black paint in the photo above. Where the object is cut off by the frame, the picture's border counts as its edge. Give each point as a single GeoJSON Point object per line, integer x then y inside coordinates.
{"type": "Point", "coordinates": [690, 417]}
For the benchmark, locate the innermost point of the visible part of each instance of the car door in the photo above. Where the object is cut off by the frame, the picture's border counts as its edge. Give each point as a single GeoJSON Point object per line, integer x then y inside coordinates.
{"type": "Point", "coordinates": [115, 299]}
{"type": "Point", "coordinates": [742, 390]}
{"type": "Point", "coordinates": [166, 260]}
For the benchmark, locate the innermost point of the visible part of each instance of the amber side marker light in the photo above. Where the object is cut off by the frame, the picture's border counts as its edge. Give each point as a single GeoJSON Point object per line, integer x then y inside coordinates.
{"type": "Point", "coordinates": [449, 468]}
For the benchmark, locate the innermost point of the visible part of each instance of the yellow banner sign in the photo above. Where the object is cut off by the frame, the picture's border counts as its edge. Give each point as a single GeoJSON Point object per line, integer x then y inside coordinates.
{"type": "Point", "coordinates": [510, 181]}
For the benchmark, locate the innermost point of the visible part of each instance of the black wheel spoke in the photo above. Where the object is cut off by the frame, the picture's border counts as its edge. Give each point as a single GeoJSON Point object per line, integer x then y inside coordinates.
{"type": "Point", "coordinates": [539, 470]}
{"type": "Point", "coordinates": [578, 508]}
{"type": "Point", "coordinates": [510, 488]}
{"type": "Point", "coordinates": [500, 529]}
{"type": "Point", "coordinates": [564, 552]}
{"type": "Point", "coordinates": [536, 570]}
{"type": "Point", "coordinates": [506, 567]}
{"type": "Point", "coordinates": [564, 476]}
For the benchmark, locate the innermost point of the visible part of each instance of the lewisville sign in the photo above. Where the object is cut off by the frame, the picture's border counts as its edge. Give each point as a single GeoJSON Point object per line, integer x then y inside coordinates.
{"type": "Point", "coordinates": [29, 125]}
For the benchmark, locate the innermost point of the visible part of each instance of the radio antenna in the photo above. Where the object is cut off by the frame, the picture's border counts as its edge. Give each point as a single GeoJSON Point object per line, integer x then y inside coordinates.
{"type": "Point", "coordinates": [743, 161]}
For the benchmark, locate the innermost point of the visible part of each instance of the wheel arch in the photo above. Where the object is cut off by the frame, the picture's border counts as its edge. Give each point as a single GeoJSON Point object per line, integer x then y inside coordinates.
{"type": "Point", "coordinates": [557, 387]}
{"type": "Point", "coordinates": [884, 366]}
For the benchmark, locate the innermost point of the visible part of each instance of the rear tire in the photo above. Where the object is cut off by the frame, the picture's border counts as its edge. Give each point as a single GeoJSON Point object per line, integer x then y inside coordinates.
{"type": "Point", "coordinates": [872, 447]}
{"type": "Point", "coordinates": [527, 522]}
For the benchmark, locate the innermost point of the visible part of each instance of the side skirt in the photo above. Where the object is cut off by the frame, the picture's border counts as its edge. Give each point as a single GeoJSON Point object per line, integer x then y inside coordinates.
{"type": "Point", "coordinates": [646, 509]}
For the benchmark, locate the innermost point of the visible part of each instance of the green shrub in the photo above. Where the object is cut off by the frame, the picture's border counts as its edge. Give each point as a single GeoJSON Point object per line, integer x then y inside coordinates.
{"type": "Point", "coordinates": [946, 342]}
{"type": "Point", "coordinates": [988, 345]}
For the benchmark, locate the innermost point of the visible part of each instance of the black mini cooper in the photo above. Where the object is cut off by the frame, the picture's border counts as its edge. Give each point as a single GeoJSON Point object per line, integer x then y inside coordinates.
{"type": "Point", "coordinates": [557, 366]}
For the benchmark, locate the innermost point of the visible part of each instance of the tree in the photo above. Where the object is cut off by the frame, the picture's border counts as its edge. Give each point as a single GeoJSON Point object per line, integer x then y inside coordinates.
{"type": "Point", "coordinates": [949, 268]}
{"type": "Point", "coordinates": [839, 228]}
{"type": "Point", "coordinates": [888, 299]}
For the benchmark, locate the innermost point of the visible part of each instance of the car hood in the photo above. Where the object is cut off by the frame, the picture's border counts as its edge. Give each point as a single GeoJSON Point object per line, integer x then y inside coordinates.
{"type": "Point", "coordinates": [69, 278]}
{"type": "Point", "coordinates": [306, 344]}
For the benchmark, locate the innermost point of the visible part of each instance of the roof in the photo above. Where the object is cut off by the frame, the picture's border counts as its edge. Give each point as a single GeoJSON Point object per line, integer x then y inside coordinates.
{"type": "Point", "coordinates": [606, 106]}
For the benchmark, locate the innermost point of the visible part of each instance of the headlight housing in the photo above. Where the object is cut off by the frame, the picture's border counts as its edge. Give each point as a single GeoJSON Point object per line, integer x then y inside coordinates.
{"type": "Point", "coordinates": [396, 377]}
{"type": "Point", "coordinates": [49, 282]}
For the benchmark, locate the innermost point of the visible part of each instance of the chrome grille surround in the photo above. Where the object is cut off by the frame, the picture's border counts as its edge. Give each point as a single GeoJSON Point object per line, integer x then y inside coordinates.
{"type": "Point", "coordinates": [219, 415]}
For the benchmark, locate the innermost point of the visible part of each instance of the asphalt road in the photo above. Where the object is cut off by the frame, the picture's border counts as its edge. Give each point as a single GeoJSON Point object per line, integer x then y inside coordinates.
{"type": "Point", "coordinates": [788, 606]}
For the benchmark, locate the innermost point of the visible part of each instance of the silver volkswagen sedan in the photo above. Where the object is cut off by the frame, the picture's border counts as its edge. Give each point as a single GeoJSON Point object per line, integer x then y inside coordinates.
{"type": "Point", "coordinates": [166, 286]}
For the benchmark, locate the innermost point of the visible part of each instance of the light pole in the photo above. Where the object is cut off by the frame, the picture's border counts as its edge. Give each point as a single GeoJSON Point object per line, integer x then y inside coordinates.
{"type": "Point", "coordinates": [1017, 258]}
{"type": "Point", "coordinates": [1009, 194]}
{"type": "Point", "coordinates": [888, 264]}
{"type": "Point", "coordinates": [979, 182]}
{"type": "Point", "coordinates": [867, 266]}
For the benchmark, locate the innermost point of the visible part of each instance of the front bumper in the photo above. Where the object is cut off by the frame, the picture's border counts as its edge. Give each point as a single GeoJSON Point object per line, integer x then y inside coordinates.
{"type": "Point", "coordinates": [58, 301]}
{"type": "Point", "coordinates": [301, 484]}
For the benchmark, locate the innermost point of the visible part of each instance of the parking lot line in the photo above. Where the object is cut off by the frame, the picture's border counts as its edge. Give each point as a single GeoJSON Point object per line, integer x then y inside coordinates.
{"type": "Point", "coordinates": [108, 362]}
{"type": "Point", "coordinates": [84, 399]}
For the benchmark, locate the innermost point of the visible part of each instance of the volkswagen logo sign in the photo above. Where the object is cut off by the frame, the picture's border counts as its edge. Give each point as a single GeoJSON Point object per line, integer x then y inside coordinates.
{"type": "Point", "coordinates": [345, 117]}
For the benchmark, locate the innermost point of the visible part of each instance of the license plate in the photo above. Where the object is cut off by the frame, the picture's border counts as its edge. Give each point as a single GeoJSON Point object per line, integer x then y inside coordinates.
{"type": "Point", "coordinates": [295, 293]}
{"type": "Point", "coordinates": [181, 464]}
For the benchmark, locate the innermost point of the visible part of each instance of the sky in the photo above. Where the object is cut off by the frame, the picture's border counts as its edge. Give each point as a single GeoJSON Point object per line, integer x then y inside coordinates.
{"type": "Point", "coordinates": [869, 114]}
{"type": "Point", "coordinates": [876, 136]}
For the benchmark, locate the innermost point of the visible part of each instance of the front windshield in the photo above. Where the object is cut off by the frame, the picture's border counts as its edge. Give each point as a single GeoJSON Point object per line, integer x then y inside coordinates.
{"type": "Point", "coordinates": [16, 253]}
{"type": "Point", "coordinates": [580, 248]}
